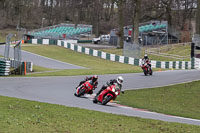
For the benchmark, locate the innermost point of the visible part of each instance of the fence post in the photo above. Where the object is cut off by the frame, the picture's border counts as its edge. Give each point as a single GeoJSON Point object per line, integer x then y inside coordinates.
{"type": "Point", "coordinates": [192, 50]}
{"type": "Point", "coordinates": [7, 47]}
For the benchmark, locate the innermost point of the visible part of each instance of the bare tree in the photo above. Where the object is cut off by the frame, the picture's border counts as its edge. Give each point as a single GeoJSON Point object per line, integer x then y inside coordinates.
{"type": "Point", "coordinates": [184, 10]}
{"type": "Point", "coordinates": [108, 9]}
{"type": "Point", "coordinates": [120, 5]}
{"type": "Point", "coordinates": [198, 18]}
{"type": "Point", "coordinates": [136, 4]}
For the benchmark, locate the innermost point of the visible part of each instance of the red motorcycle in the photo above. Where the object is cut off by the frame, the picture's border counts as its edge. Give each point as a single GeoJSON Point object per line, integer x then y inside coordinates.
{"type": "Point", "coordinates": [147, 69]}
{"type": "Point", "coordinates": [110, 93]}
{"type": "Point", "coordinates": [85, 88]}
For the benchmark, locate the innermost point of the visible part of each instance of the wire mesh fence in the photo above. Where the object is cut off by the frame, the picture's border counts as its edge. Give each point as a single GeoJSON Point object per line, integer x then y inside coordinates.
{"type": "Point", "coordinates": [17, 55]}
{"type": "Point", "coordinates": [132, 50]}
{"type": "Point", "coordinates": [196, 41]}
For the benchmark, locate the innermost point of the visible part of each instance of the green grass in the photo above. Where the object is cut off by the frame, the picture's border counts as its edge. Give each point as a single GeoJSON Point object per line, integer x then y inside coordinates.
{"type": "Point", "coordinates": [95, 65]}
{"type": "Point", "coordinates": [41, 69]}
{"type": "Point", "coordinates": [20, 116]}
{"type": "Point", "coordinates": [181, 50]}
{"type": "Point", "coordinates": [116, 51]}
{"type": "Point", "coordinates": [168, 49]}
{"type": "Point", "coordinates": [180, 100]}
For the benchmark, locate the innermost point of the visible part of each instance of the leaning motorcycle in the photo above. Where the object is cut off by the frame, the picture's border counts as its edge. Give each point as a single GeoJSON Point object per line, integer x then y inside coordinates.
{"type": "Point", "coordinates": [85, 88]}
{"type": "Point", "coordinates": [147, 69]}
{"type": "Point", "coordinates": [110, 93]}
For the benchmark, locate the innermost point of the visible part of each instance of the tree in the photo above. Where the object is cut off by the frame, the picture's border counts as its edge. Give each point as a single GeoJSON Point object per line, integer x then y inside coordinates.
{"type": "Point", "coordinates": [136, 4]}
{"type": "Point", "coordinates": [120, 5]}
{"type": "Point", "coordinates": [198, 18]}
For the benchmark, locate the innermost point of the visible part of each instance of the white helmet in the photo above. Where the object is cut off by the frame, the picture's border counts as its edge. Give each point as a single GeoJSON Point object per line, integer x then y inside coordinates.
{"type": "Point", "coordinates": [120, 80]}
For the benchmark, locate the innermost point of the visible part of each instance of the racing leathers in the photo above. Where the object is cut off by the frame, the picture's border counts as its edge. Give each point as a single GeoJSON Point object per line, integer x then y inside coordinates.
{"type": "Point", "coordinates": [111, 82]}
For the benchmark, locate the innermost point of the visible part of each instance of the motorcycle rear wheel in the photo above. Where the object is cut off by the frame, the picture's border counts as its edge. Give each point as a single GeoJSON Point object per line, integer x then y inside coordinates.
{"type": "Point", "coordinates": [106, 99]}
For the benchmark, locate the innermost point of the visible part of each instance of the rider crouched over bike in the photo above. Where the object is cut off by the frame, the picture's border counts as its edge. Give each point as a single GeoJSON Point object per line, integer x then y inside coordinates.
{"type": "Point", "coordinates": [93, 81]}
{"type": "Point", "coordinates": [146, 60]}
{"type": "Point", "coordinates": [118, 81]}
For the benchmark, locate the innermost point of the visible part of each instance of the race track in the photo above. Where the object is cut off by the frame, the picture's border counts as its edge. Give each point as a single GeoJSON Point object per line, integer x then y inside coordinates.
{"type": "Point", "coordinates": [60, 90]}
{"type": "Point", "coordinates": [41, 60]}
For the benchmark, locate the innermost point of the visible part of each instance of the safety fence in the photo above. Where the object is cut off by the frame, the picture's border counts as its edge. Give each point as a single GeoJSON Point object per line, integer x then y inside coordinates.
{"type": "Point", "coordinates": [117, 58]}
{"type": "Point", "coordinates": [4, 67]}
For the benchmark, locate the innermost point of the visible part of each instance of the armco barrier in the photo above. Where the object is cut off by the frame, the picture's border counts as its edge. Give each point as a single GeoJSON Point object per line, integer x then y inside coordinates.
{"type": "Point", "coordinates": [122, 59]}
{"type": "Point", "coordinates": [4, 67]}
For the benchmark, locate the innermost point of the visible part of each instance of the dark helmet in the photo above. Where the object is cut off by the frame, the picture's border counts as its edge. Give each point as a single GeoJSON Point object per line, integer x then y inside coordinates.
{"type": "Point", "coordinates": [94, 78]}
{"type": "Point", "coordinates": [145, 56]}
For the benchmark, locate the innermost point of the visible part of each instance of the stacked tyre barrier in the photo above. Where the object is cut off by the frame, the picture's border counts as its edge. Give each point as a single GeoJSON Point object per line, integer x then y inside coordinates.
{"type": "Point", "coordinates": [4, 67]}
{"type": "Point", "coordinates": [118, 58]}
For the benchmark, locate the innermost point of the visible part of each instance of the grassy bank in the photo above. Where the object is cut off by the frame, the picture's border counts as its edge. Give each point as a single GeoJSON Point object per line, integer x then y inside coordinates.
{"type": "Point", "coordinates": [181, 50]}
{"type": "Point", "coordinates": [18, 115]}
{"type": "Point", "coordinates": [180, 100]}
{"type": "Point", "coordinates": [95, 65]}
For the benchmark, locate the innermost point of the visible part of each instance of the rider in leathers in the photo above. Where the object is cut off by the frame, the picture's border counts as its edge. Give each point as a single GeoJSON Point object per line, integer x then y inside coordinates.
{"type": "Point", "coordinates": [94, 82]}
{"type": "Point", "coordinates": [118, 81]}
{"type": "Point", "coordinates": [146, 60]}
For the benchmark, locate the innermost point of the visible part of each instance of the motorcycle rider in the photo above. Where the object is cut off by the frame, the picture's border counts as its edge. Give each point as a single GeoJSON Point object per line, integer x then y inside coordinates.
{"type": "Point", "coordinates": [146, 60]}
{"type": "Point", "coordinates": [93, 82]}
{"type": "Point", "coordinates": [117, 81]}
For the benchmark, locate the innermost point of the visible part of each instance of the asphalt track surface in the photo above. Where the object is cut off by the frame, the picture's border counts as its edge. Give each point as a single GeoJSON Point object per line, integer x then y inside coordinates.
{"type": "Point", "coordinates": [60, 90]}
{"type": "Point", "coordinates": [41, 60]}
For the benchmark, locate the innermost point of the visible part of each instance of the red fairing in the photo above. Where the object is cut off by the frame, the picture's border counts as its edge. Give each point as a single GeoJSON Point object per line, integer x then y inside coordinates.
{"type": "Point", "coordinates": [87, 86]}
{"type": "Point", "coordinates": [108, 91]}
{"type": "Point", "coordinates": [144, 66]}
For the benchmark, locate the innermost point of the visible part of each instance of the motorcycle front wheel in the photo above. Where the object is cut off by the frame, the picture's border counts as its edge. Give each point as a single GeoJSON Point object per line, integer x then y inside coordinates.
{"type": "Point", "coordinates": [95, 100]}
{"type": "Point", "coordinates": [106, 99]}
{"type": "Point", "coordinates": [145, 72]}
{"type": "Point", "coordinates": [81, 92]}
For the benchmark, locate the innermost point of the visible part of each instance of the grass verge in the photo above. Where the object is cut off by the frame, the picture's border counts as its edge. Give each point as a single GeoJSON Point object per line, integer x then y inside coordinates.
{"type": "Point", "coordinates": [18, 115]}
{"type": "Point", "coordinates": [95, 65]}
{"type": "Point", "coordinates": [179, 100]}
{"type": "Point", "coordinates": [41, 69]}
